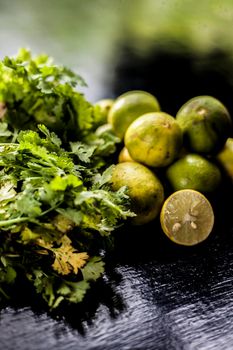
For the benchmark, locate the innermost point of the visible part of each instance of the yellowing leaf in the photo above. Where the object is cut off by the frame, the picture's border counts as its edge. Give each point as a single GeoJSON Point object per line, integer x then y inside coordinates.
{"type": "Point", "coordinates": [28, 235]}
{"type": "Point", "coordinates": [67, 259]}
{"type": "Point", "coordinates": [63, 223]}
{"type": "Point", "coordinates": [41, 242]}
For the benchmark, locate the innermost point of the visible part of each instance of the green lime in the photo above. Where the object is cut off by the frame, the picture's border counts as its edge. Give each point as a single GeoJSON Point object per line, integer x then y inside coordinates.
{"type": "Point", "coordinates": [102, 108]}
{"type": "Point", "coordinates": [128, 107]}
{"type": "Point", "coordinates": [154, 139]}
{"type": "Point", "coordinates": [187, 217]}
{"type": "Point", "coordinates": [195, 172]}
{"type": "Point", "coordinates": [225, 157]}
{"type": "Point", "coordinates": [144, 189]}
{"type": "Point", "coordinates": [206, 124]}
{"type": "Point", "coordinates": [124, 156]}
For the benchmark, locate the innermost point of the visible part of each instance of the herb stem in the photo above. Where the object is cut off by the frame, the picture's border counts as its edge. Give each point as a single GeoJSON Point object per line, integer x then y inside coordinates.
{"type": "Point", "coordinates": [4, 294]}
{"type": "Point", "coordinates": [12, 221]}
{"type": "Point", "coordinates": [50, 209]}
{"type": "Point", "coordinates": [23, 219]}
{"type": "Point", "coordinates": [15, 135]}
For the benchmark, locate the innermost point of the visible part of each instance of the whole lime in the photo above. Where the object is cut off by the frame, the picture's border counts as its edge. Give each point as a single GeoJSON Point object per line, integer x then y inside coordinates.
{"type": "Point", "coordinates": [102, 108]}
{"type": "Point", "coordinates": [206, 124]}
{"type": "Point", "coordinates": [124, 156]}
{"type": "Point", "coordinates": [154, 139]}
{"type": "Point", "coordinates": [144, 189]}
{"type": "Point", "coordinates": [129, 106]}
{"type": "Point", "coordinates": [225, 158]}
{"type": "Point", "coordinates": [195, 172]}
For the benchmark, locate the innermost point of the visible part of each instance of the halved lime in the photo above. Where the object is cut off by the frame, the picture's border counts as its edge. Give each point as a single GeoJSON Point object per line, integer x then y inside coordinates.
{"type": "Point", "coordinates": [187, 217]}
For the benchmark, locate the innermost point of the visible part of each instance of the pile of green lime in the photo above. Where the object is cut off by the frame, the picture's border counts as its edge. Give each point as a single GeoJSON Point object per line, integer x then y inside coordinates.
{"type": "Point", "coordinates": [189, 155]}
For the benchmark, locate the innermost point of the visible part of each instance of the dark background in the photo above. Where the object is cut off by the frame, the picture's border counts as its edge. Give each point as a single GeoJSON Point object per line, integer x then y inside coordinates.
{"type": "Point", "coordinates": [155, 295]}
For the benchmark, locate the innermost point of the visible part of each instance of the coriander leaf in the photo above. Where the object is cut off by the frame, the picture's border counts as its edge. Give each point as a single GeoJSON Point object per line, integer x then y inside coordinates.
{"type": "Point", "coordinates": [67, 259]}
{"type": "Point", "coordinates": [50, 136]}
{"type": "Point", "coordinates": [28, 235]}
{"type": "Point", "coordinates": [83, 151]}
{"type": "Point", "coordinates": [44, 285]}
{"type": "Point", "coordinates": [99, 180]}
{"type": "Point", "coordinates": [67, 218]}
{"type": "Point", "coordinates": [59, 183]}
{"type": "Point", "coordinates": [93, 269]}
{"type": "Point", "coordinates": [73, 292]}
{"type": "Point", "coordinates": [27, 204]}
{"type": "Point", "coordinates": [4, 131]}
{"type": "Point", "coordinates": [54, 290]}
{"type": "Point", "coordinates": [10, 275]}
{"type": "Point", "coordinates": [7, 191]}
{"type": "Point", "coordinates": [105, 143]}
{"type": "Point", "coordinates": [63, 222]}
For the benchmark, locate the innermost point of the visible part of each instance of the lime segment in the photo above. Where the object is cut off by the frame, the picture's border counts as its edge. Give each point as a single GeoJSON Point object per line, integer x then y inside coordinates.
{"type": "Point", "coordinates": [187, 217]}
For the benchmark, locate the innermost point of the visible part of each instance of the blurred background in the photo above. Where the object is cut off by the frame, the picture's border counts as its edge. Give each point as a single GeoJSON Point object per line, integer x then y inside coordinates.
{"type": "Point", "coordinates": [175, 49]}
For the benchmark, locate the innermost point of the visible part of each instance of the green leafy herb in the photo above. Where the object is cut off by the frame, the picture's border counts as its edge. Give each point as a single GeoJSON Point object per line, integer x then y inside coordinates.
{"type": "Point", "coordinates": [55, 193]}
{"type": "Point", "coordinates": [36, 91]}
{"type": "Point", "coordinates": [47, 199]}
